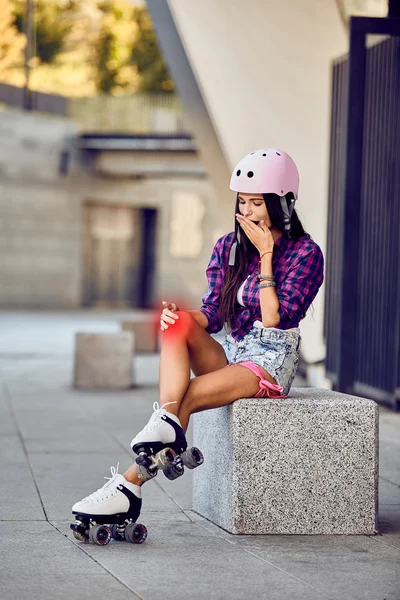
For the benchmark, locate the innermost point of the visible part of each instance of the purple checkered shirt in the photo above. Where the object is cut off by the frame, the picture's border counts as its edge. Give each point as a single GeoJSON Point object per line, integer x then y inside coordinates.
{"type": "Point", "coordinates": [297, 266]}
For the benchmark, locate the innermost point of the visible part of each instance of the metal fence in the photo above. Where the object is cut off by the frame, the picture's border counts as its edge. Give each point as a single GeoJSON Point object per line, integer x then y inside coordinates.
{"type": "Point", "coordinates": [335, 215]}
{"type": "Point", "coordinates": [136, 114]}
{"type": "Point", "coordinates": [376, 324]}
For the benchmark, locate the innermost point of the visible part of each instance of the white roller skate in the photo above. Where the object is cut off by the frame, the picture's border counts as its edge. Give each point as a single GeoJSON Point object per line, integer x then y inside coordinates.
{"type": "Point", "coordinates": [162, 445]}
{"type": "Point", "coordinates": [110, 512]}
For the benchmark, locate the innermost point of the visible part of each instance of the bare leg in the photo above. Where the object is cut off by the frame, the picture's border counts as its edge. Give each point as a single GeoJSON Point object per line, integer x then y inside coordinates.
{"type": "Point", "coordinates": [214, 390]}
{"type": "Point", "coordinates": [219, 388]}
{"type": "Point", "coordinates": [131, 475]}
{"type": "Point", "coordinates": [186, 345]}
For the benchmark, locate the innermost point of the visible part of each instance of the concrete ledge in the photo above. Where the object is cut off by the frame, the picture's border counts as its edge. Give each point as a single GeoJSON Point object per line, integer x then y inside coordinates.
{"type": "Point", "coordinates": [103, 360]}
{"type": "Point", "coordinates": [304, 465]}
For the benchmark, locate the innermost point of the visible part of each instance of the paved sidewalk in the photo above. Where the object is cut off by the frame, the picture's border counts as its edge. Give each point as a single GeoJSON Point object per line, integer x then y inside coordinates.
{"type": "Point", "coordinates": [58, 443]}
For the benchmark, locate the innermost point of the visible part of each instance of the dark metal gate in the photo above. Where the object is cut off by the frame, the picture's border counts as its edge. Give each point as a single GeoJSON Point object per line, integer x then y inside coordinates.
{"type": "Point", "coordinates": [362, 307]}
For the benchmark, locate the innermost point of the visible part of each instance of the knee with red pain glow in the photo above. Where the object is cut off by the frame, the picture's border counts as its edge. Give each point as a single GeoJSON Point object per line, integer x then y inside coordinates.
{"type": "Point", "coordinates": [181, 327]}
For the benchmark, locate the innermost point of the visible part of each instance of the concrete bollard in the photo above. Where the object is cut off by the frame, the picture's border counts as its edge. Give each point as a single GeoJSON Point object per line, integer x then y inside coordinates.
{"type": "Point", "coordinates": [103, 360]}
{"type": "Point", "coordinates": [144, 331]}
{"type": "Point", "coordinates": [304, 465]}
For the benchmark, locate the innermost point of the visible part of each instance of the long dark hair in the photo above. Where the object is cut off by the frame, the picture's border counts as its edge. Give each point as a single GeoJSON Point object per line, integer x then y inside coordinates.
{"type": "Point", "coordinates": [245, 252]}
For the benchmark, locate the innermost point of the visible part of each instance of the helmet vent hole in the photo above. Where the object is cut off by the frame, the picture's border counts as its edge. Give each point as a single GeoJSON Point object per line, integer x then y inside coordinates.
{"type": "Point", "coordinates": [278, 154]}
{"type": "Point", "coordinates": [264, 155]}
{"type": "Point", "coordinates": [238, 172]}
{"type": "Point", "coordinates": [250, 174]}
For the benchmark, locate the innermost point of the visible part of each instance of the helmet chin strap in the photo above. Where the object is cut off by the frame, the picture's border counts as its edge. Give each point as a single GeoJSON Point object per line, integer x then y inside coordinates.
{"type": "Point", "coordinates": [232, 253]}
{"type": "Point", "coordinates": [287, 212]}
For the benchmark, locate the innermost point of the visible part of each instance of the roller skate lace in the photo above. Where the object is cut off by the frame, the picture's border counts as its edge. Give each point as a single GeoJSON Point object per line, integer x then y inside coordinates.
{"type": "Point", "coordinates": [108, 490]}
{"type": "Point", "coordinates": [154, 421]}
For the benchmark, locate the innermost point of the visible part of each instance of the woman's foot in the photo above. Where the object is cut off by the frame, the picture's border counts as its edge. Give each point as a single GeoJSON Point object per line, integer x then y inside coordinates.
{"type": "Point", "coordinates": [164, 430]}
{"type": "Point", "coordinates": [115, 502]}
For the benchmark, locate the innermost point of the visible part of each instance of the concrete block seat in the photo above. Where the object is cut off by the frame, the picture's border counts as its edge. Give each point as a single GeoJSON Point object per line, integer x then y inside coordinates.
{"type": "Point", "coordinates": [103, 360]}
{"type": "Point", "coordinates": [304, 465]}
{"type": "Point", "coordinates": [145, 331]}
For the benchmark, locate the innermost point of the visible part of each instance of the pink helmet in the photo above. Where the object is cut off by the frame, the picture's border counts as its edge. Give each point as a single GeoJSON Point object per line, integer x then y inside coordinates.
{"type": "Point", "coordinates": [266, 171]}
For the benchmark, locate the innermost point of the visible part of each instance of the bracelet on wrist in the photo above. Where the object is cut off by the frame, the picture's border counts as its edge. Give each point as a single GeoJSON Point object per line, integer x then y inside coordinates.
{"type": "Point", "coordinates": [265, 285]}
{"type": "Point", "coordinates": [262, 255]}
{"type": "Point", "coordinates": [267, 277]}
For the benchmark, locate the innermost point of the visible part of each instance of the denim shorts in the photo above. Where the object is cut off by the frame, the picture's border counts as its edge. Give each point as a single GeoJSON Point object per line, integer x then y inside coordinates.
{"type": "Point", "coordinates": [276, 350]}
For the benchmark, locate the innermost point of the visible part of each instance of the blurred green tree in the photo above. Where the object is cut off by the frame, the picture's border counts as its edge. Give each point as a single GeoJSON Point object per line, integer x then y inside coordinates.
{"type": "Point", "coordinates": [114, 72]}
{"type": "Point", "coordinates": [105, 61]}
{"type": "Point", "coordinates": [146, 55]}
{"type": "Point", "coordinates": [127, 52]}
{"type": "Point", "coordinates": [81, 47]}
{"type": "Point", "coordinates": [52, 24]}
{"type": "Point", "coordinates": [12, 43]}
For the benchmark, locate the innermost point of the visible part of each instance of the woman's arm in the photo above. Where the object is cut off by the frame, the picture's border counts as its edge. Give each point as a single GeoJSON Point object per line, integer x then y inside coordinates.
{"type": "Point", "coordinates": [262, 238]}
{"type": "Point", "coordinates": [269, 300]}
{"type": "Point", "coordinates": [296, 292]}
{"type": "Point", "coordinates": [301, 283]}
{"type": "Point", "coordinates": [200, 318]}
{"type": "Point", "coordinates": [212, 299]}
{"type": "Point", "coordinates": [208, 316]}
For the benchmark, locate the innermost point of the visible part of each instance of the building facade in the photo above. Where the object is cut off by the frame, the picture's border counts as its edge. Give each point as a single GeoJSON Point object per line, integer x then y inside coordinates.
{"type": "Point", "coordinates": [101, 220]}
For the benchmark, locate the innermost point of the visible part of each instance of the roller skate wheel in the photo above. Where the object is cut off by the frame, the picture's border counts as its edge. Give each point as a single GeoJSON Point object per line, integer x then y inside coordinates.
{"type": "Point", "coordinates": [116, 533]}
{"type": "Point", "coordinates": [164, 458]}
{"type": "Point", "coordinates": [173, 471]}
{"type": "Point", "coordinates": [192, 458]}
{"type": "Point", "coordinates": [100, 534]}
{"type": "Point", "coordinates": [135, 533]}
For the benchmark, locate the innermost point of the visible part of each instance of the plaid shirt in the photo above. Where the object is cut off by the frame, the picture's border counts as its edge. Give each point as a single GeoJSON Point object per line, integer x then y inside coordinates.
{"type": "Point", "coordinates": [298, 271]}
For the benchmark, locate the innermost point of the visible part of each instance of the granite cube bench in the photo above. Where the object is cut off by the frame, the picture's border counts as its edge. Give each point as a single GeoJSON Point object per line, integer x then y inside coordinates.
{"type": "Point", "coordinates": [103, 360]}
{"type": "Point", "coordinates": [307, 464]}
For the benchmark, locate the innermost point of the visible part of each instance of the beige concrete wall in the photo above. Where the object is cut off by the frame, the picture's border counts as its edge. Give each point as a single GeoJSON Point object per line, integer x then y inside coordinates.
{"type": "Point", "coordinates": [264, 71]}
{"type": "Point", "coordinates": [40, 246]}
{"type": "Point", "coordinates": [31, 146]}
{"type": "Point", "coordinates": [39, 213]}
